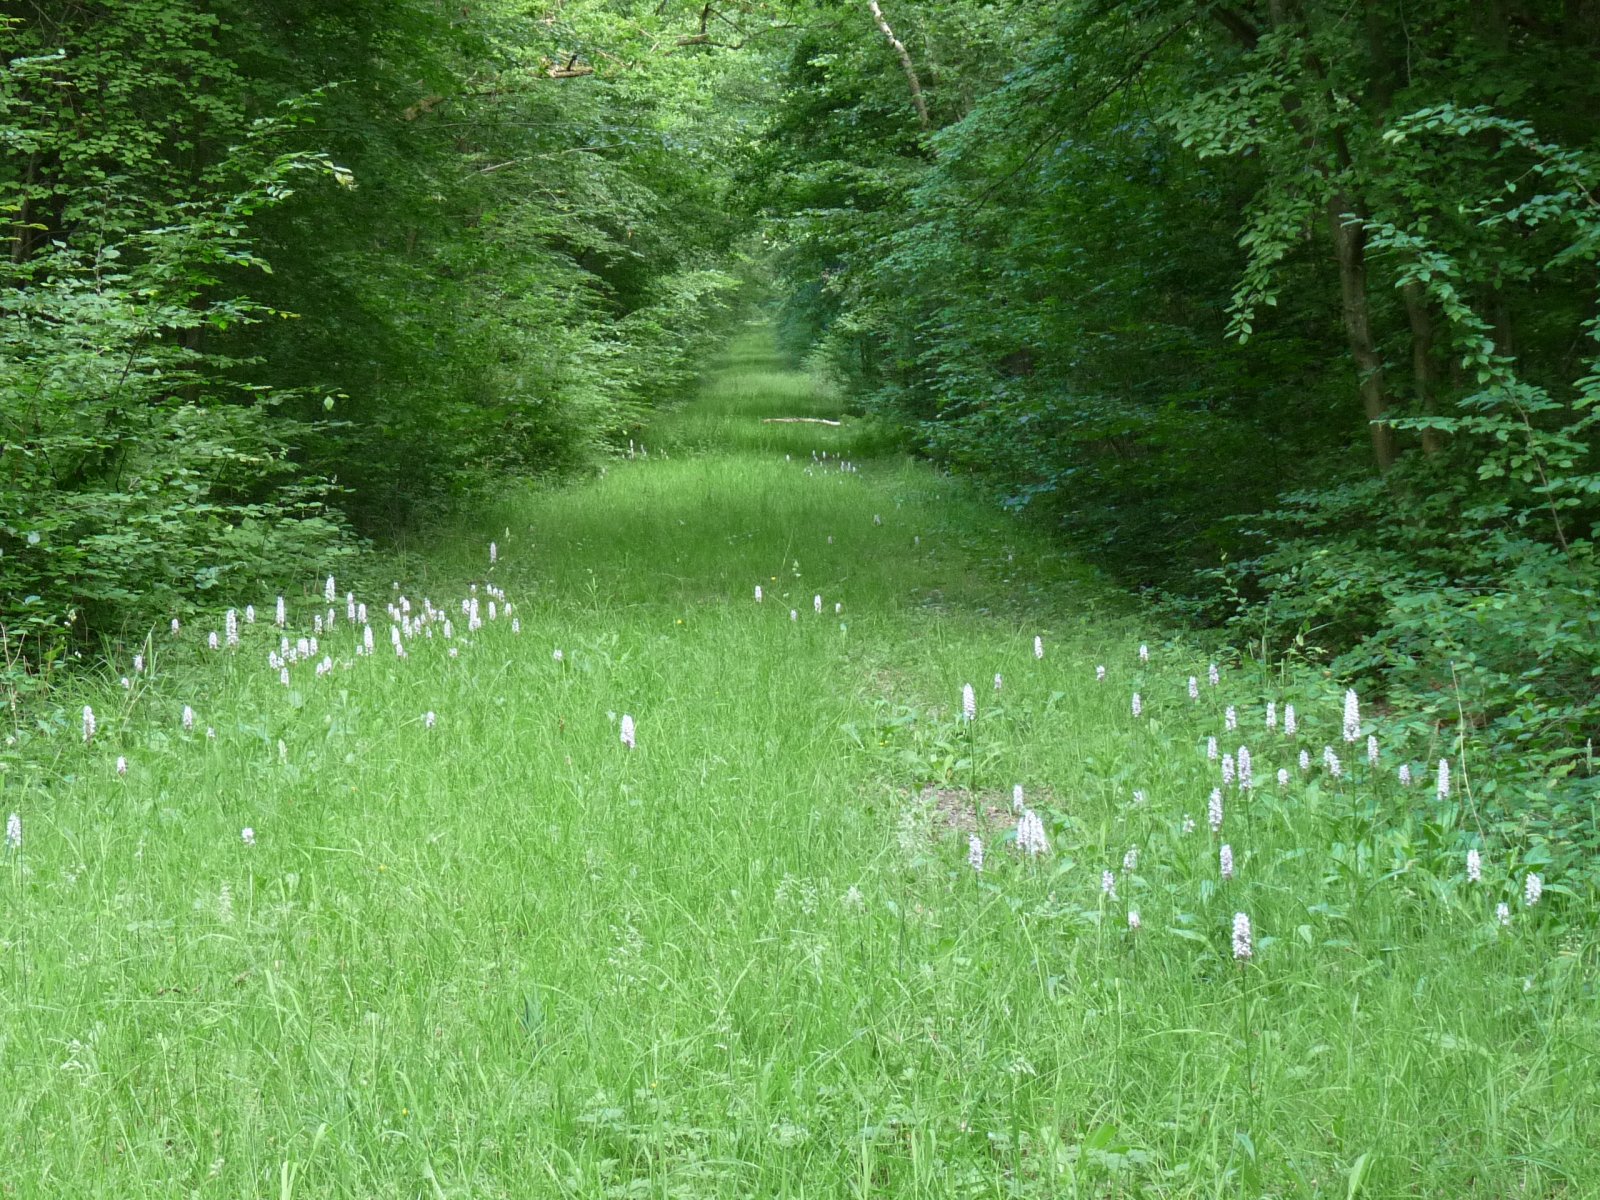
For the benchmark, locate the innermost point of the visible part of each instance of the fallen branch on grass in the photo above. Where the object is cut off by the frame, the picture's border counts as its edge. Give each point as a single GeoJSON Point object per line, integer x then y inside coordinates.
{"type": "Point", "coordinates": [797, 421]}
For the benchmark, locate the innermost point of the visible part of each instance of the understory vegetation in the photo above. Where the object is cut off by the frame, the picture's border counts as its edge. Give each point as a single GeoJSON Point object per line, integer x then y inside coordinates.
{"type": "Point", "coordinates": [768, 819]}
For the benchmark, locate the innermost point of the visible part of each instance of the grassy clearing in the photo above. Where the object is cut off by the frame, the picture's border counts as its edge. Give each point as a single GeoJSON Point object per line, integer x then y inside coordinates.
{"type": "Point", "coordinates": [497, 953]}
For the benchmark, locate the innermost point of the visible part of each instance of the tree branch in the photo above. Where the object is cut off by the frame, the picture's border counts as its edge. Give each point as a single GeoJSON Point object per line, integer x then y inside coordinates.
{"type": "Point", "coordinates": [906, 64]}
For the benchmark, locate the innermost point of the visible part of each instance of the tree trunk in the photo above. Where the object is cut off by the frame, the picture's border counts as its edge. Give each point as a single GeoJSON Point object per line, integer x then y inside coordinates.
{"type": "Point", "coordinates": [1423, 373]}
{"type": "Point", "coordinates": [1345, 213]}
{"type": "Point", "coordinates": [906, 64]}
{"type": "Point", "coordinates": [1350, 248]}
{"type": "Point", "coordinates": [22, 243]}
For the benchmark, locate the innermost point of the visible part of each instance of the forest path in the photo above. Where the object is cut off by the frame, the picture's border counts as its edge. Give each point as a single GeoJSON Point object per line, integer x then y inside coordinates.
{"type": "Point", "coordinates": [426, 924]}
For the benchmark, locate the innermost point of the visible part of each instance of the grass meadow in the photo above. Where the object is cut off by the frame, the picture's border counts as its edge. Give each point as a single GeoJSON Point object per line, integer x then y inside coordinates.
{"type": "Point", "coordinates": [424, 926]}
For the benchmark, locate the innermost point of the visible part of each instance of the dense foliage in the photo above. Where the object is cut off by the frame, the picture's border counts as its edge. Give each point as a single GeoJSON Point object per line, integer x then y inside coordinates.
{"type": "Point", "coordinates": [1287, 314]}
{"type": "Point", "coordinates": [280, 274]}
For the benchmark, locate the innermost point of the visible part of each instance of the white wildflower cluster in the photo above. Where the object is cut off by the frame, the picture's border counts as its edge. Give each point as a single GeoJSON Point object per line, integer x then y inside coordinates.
{"type": "Point", "coordinates": [411, 624]}
{"type": "Point", "coordinates": [1242, 948]}
{"type": "Point", "coordinates": [1030, 834]}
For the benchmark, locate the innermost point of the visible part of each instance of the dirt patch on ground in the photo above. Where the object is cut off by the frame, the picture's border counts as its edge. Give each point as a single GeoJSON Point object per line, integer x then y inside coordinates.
{"type": "Point", "coordinates": [958, 810]}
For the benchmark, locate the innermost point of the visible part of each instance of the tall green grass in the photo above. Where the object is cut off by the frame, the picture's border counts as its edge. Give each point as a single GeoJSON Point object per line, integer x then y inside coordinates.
{"type": "Point", "coordinates": [505, 956]}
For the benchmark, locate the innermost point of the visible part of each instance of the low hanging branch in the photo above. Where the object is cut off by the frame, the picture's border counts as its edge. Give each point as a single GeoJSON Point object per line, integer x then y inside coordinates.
{"type": "Point", "coordinates": [906, 64]}
{"type": "Point", "coordinates": [573, 70]}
